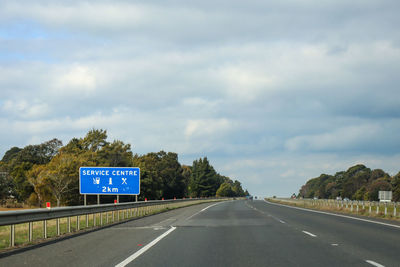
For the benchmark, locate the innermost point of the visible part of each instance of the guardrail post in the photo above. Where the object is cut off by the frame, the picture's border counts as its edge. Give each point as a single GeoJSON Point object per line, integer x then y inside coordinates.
{"type": "Point", "coordinates": [78, 227]}
{"type": "Point", "coordinates": [87, 220]}
{"type": "Point", "coordinates": [94, 219]}
{"type": "Point", "coordinates": [117, 215]}
{"type": "Point", "coordinates": [112, 218]}
{"type": "Point", "coordinates": [377, 208]}
{"type": "Point", "coordinates": [30, 231]}
{"type": "Point", "coordinates": [351, 204]}
{"type": "Point", "coordinates": [69, 224]}
{"type": "Point", "coordinates": [58, 226]}
{"type": "Point", "coordinates": [357, 207]}
{"type": "Point", "coordinates": [385, 208]}
{"type": "Point", "coordinates": [101, 218]}
{"type": "Point", "coordinates": [45, 229]}
{"type": "Point", "coordinates": [370, 207]}
{"type": "Point", "coordinates": [12, 235]}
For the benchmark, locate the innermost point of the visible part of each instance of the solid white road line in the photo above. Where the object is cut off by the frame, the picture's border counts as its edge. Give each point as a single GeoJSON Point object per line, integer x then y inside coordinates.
{"type": "Point", "coordinates": [308, 233]}
{"type": "Point", "coordinates": [334, 214]}
{"type": "Point", "coordinates": [203, 210]}
{"type": "Point", "coordinates": [144, 249]}
{"type": "Point", "coordinates": [375, 263]}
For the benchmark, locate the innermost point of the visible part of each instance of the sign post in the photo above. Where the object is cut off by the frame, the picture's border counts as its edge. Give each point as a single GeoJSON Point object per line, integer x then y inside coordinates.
{"type": "Point", "coordinates": [109, 181]}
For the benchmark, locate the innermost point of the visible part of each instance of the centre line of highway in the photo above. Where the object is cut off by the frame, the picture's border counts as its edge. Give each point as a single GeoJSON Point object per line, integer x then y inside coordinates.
{"type": "Point", "coordinates": [269, 215]}
{"type": "Point", "coordinates": [144, 249]}
{"type": "Point", "coordinates": [334, 214]}
{"type": "Point", "coordinates": [310, 234]}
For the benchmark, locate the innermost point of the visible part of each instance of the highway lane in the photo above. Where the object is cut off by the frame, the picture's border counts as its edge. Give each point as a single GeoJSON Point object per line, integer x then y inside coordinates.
{"type": "Point", "coordinates": [105, 247]}
{"type": "Point", "coordinates": [235, 233]}
{"type": "Point", "coordinates": [363, 238]}
{"type": "Point", "coordinates": [245, 233]}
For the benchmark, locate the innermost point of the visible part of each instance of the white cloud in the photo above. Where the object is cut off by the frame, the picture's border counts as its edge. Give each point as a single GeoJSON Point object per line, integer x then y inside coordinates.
{"type": "Point", "coordinates": [25, 109]}
{"type": "Point", "coordinates": [262, 88]}
{"type": "Point", "coordinates": [76, 79]}
{"type": "Point", "coordinates": [348, 138]}
{"type": "Point", "coordinates": [245, 84]}
{"type": "Point", "coordinates": [207, 127]}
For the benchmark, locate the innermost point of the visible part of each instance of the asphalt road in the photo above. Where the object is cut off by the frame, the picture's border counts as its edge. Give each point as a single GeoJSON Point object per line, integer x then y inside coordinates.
{"type": "Point", "coordinates": [234, 233]}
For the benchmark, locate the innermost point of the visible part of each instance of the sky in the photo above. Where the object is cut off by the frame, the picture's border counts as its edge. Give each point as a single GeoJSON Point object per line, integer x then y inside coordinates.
{"type": "Point", "coordinates": [272, 92]}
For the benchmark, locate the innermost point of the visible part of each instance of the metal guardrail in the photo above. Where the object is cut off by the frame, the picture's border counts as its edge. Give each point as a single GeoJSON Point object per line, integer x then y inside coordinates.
{"type": "Point", "coordinates": [23, 216]}
{"type": "Point", "coordinates": [101, 213]}
{"type": "Point", "coordinates": [371, 208]}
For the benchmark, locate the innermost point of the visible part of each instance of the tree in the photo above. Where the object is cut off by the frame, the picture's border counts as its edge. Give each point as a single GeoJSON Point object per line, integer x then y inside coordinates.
{"type": "Point", "coordinates": [5, 186]}
{"type": "Point", "coordinates": [11, 154]}
{"type": "Point", "coordinates": [61, 175]}
{"type": "Point", "coordinates": [237, 189]}
{"type": "Point", "coordinates": [39, 154]}
{"type": "Point", "coordinates": [396, 187]}
{"type": "Point", "coordinates": [116, 154]}
{"type": "Point", "coordinates": [186, 173]}
{"type": "Point", "coordinates": [225, 190]}
{"type": "Point", "coordinates": [22, 189]}
{"type": "Point", "coordinates": [95, 140]}
{"type": "Point", "coordinates": [50, 171]}
{"type": "Point", "coordinates": [171, 172]}
{"type": "Point", "coordinates": [381, 184]}
{"type": "Point", "coordinates": [151, 183]}
{"type": "Point", "coordinates": [204, 180]}
{"type": "Point", "coordinates": [161, 175]}
{"type": "Point", "coordinates": [36, 177]}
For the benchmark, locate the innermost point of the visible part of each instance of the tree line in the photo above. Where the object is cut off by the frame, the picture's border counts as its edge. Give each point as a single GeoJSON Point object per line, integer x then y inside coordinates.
{"type": "Point", "coordinates": [49, 171]}
{"type": "Point", "coordinates": [357, 183]}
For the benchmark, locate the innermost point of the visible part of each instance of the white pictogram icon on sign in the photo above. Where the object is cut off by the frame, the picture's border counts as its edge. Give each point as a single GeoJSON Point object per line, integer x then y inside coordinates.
{"type": "Point", "coordinates": [96, 180]}
{"type": "Point", "coordinates": [110, 181]}
{"type": "Point", "coordinates": [124, 180]}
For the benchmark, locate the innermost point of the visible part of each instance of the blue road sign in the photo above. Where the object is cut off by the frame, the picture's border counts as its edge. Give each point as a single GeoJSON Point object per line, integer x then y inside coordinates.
{"type": "Point", "coordinates": [109, 180]}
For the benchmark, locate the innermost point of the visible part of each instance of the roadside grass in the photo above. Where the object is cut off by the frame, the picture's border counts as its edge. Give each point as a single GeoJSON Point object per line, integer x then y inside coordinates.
{"type": "Point", "coordinates": [86, 222]}
{"type": "Point", "coordinates": [345, 209]}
